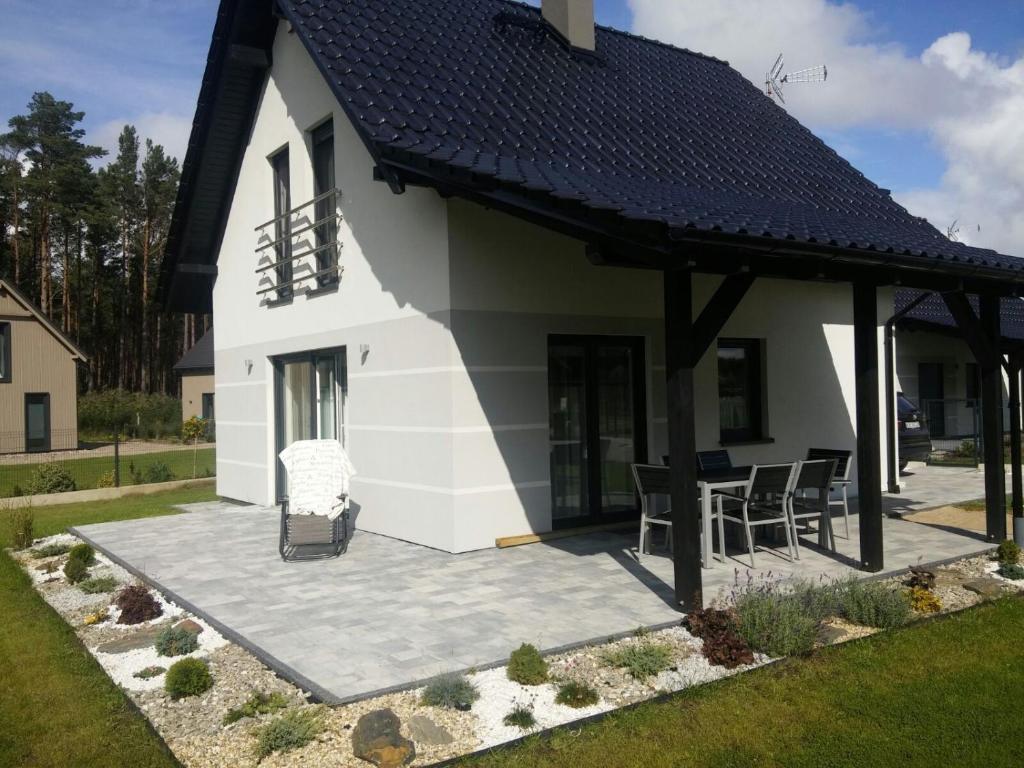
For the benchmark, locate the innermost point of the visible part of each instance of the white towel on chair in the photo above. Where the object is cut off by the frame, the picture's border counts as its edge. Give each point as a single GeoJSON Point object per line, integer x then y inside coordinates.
{"type": "Point", "coordinates": [319, 472]}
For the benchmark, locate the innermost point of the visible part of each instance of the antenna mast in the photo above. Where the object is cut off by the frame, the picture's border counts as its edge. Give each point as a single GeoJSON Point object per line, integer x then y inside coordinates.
{"type": "Point", "coordinates": [774, 80]}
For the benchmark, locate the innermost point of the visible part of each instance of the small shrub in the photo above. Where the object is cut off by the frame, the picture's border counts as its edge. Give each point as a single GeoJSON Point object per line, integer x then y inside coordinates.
{"type": "Point", "coordinates": [1008, 553]}
{"type": "Point", "coordinates": [17, 490]}
{"type": "Point", "coordinates": [526, 666]}
{"type": "Point", "coordinates": [51, 550]}
{"type": "Point", "coordinates": [22, 523]}
{"type": "Point", "coordinates": [924, 600]}
{"type": "Point", "coordinates": [452, 691]}
{"type": "Point", "coordinates": [873, 604]}
{"type": "Point", "coordinates": [1012, 571]}
{"type": "Point", "coordinates": [575, 694]}
{"type": "Point", "coordinates": [50, 478]}
{"type": "Point", "coordinates": [176, 641]}
{"type": "Point", "coordinates": [96, 618]}
{"type": "Point", "coordinates": [76, 571]}
{"type": "Point", "coordinates": [520, 717]}
{"type": "Point", "coordinates": [149, 672]}
{"type": "Point", "coordinates": [137, 605]}
{"type": "Point", "coordinates": [106, 480]}
{"type": "Point", "coordinates": [82, 552]}
{"type": "Point", "coordinates": [188, 677]}
{"type": "Point", "coordinates": [641, 660]}
{"type": "Point", "coordinates": [291, 730]}
{"type": "Point", "coordinates": [257, 704]}
{"type": "Point", "coordinates": [919, 577]}
{"type": "Point", "coordinates": [95, 586]}
{"type": "Point", "coordinates": [158, 472]}
{"type": "Point", "coordinates": [722, 644]}
{"type": "Point", "coordinates": [776, 623]}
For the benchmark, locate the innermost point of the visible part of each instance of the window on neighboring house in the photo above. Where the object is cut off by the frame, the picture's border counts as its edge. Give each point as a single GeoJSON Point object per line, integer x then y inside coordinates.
{"type": "Point", "coordinates": [5, 353]}
{"type": "Point", "coordinates": [326, 208]}
{"type": "Point", "coordinates": [740, 390]}
{"type": "Point", "coordinates": [208, 405]}
{"type": "Point", "coordinates": [972, 384]}
{"type": "Point", "coordinates": [282, 229]}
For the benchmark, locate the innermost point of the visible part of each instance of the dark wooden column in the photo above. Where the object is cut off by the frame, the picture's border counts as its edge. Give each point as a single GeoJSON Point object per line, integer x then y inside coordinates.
{"type": "Point", "coordinates": [869, 456]}
{"type": "Point", "coordinates": [1014, 370]}
{"type": "Point", "coordinates": [992, 421]}
{"type": "Point", "coordinates": [682, 447]}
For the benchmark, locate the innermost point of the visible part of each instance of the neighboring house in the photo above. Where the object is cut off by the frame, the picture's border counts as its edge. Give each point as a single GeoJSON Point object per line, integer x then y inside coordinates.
{"type": "Point", "coordinates": [38, 378]}
{"type": "Point", "coordinates": [479, 310]}
{"type": "Point", "coordinates": [196, 372]}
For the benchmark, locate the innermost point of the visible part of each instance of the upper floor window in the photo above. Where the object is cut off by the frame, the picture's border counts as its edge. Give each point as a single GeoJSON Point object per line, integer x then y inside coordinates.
{"type": "Point", "coordinates": [740, 390]}
{"type": "Point", "coordinates": [282, 227]}
{"type": "Point", "coordinates": [326, 206]}
{"type": "Point", "coordinates": [5, 353]}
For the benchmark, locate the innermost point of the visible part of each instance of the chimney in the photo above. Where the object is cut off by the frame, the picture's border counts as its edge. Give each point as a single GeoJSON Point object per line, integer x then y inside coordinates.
{"type": "Point", "coordinates": [574, 20]}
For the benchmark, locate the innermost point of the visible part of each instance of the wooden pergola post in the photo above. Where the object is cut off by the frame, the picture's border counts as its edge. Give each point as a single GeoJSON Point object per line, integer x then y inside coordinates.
{"type": "Point", "coordinates": [1013, 368]}
{"type": "Point", "coordinates": [869, 456]}
{"type": "Point", "coordinates": [992, 421]}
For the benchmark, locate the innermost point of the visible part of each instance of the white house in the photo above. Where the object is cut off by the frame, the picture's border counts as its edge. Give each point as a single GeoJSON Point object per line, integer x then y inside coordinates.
{"type": "Point", "coordinates": [478, 311]}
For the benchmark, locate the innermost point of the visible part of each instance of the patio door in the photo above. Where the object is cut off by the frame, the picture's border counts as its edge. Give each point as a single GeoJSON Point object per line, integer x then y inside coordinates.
{"type": "Point", "coordinates": [597, 424]}
{"type": "Point", "coordinates": [931, 391]}
{"type": "Point", "coordinates": [309, 401]}
{"type": "Point", "coordinates": [37, 422]}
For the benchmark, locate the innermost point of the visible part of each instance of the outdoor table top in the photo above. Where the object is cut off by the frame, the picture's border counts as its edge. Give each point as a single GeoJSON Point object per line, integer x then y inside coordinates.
{"type": "Point", "coordinates": [725, 475]}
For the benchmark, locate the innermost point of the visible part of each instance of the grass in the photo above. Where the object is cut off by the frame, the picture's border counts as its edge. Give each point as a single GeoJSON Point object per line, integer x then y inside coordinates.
{"type": "Point", "coordinates": [978, 505]}
{"type": "Point", "coordinates": [57, 706]}
{"type": "Point", "coordinates": [936, 693]}
{"type": "Point", "coordinates": [87, 472]}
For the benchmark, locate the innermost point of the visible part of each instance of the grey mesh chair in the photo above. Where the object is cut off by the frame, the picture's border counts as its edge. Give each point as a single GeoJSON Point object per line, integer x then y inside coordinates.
{"type": "Point", "coordinates": [810, 500]}
{"type": "Point", "coordinates": [653, 480]}
{"type": "Point", "coordinates": [764, 500]}
{"type": "Point", "coordinates": [841, 481]}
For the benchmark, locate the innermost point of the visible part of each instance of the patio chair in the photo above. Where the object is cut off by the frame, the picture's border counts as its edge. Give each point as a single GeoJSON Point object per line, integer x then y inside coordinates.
{"type": "Point", "coordinates": [764, 500]}
{"type": "Point", "coordinates": [841, 481]}
{"type": "Point", "coordinates": [653, 480]}
{"type": "Point", "coordinates": [708, 461]}
{"type": "Point", "coordinates": [314, 514]}
{"type": "Point", "coordinates": [813, 477]}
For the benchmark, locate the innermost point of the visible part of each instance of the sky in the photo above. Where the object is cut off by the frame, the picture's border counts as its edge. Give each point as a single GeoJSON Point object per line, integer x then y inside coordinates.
{"type": "Point", "coordinates": [925, 97]}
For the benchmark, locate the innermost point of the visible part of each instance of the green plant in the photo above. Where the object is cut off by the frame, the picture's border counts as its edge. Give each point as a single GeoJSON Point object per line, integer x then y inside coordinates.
{"type": "Point", "coordinates": [82, 552]}
{"type": "Point", "coordinates": [76, 571]}
{"type": "Point", "coordinates": [106, 480]}
{"type": "Point", "coordinates": [115, 411]}
{"type": "Point", "coordinates": [191, 432]}
{"type": "Point", "coordinates": [149, 672]}
{"type": "Point", "coordinates": [258, 704]}
{"type": "Point", "coordinates": [641, 660]}
{"type": "Point", "coordinates": [51, 550]}
{"type": "Point", "coordinates": [21, 523]}
{"type": "Point", "coordinates": [1012, 571]}
{"type": "Point", "coordinates": [777, 623]}
{"type": "Point", "coordinates": [520, 717]}
{"type": "Point", "coordinates": [722, 645]}
{"type": "Point", "coordinates": [158, 472]}
{"type": "Point", "coordinates": [923, 600]}
{"type": "Point", "coordinates": [188, 677]}
{"type": "Point", "coordinates": [176, 641]}
{"type": "Point", "coordinates": [291, 730]}
{"type": "Point", "coordinates": [526, 666]}
{"type": "Point", "coordinates": [96, 585]}
{"type": "Point", "coordinates": [873, 604]}
{"type": "Point", "coordinates": [137, 605]}
{"type": "Point", "coordinates": [1008, 553]}
{"type": "Point", "coordinates": [573, 693]}
{"type": "Point", "coordinates": [452, 691]}
{"type": "Point", "coordinates": [50, 478]}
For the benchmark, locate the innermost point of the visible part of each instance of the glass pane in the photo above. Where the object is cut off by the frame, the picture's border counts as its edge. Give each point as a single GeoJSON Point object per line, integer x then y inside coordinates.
{"type": "Point", "coordinates": [734, 390]}
{"type": "Point", "coordinates": [282, 229]}
{"type": "Point", "coordinates": [323, 181]}
{"type": "Point", "coordinates": [327, 401]}
{"type": "Point", "coordinates": [298, 397]}
{"type": "Point", "coordinates": [568, 430]}
{"type": "Point", "coordinates": [35, 421]}
{"type": "Point", "coordinates": [3, 351]}
{"type": "Point", "coordinates": [616, 427]}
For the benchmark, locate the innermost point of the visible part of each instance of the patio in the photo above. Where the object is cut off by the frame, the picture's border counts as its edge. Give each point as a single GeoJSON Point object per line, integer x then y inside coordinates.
{"type": "Point", "coordinates": [389, 613]}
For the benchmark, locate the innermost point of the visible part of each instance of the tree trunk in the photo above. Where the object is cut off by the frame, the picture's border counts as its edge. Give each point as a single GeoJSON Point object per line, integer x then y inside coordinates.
{"type": "Point", "coordinates": [44, 261]}
{"type": "Point", "coordinates": [15, 242]}
{"type": "Point", "coordinates": [65, 299]}
{"type": "Point", "coordinates": [147, 358]}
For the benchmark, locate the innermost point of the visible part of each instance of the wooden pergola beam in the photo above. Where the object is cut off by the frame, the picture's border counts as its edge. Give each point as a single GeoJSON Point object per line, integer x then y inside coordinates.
{"type": "Point", "coordinates": [718, 310]}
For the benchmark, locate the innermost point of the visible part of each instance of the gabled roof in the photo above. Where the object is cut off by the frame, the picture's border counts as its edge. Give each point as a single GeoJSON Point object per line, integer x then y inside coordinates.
{"type": "Point", "coordinates": [642, 143]}
{"type": "Point", "coordinates": [37, 313]}
{"type": "Point", "coordinates": [931, 314]}
{"type": "Point", "coordinates": [199, 358]}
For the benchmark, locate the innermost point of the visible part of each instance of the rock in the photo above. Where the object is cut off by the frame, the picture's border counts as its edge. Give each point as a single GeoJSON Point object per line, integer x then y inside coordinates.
{"type": "Point", "coordinates": [189, 626]}
{"type": "Point", "coordinates": [142, 638]}
{"type": "Point", "coordinates": [986, 587]}
{"type": "Point", "coordinates": [425, 731]}
{"type": "Point", "coordinates": [830, 634]}
{"type": "Point", "coordinates": [377, 738]}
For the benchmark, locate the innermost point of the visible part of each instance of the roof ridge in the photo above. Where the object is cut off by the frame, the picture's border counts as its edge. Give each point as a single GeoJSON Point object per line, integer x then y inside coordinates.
{"type": "Point", "coordinates": [633, 35]}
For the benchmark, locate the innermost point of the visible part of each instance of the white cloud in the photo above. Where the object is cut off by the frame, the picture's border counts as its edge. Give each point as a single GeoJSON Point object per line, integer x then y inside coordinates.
{"type": "Point", "coordinates": [969, 103]}
{"type": "Point", "coordinates": [164, 128]}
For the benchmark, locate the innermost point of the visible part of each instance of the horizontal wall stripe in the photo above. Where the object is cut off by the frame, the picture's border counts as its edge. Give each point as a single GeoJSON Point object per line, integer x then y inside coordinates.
{"type": "Point", "coordinates": [482, 429]}
{"type": "Point", "coordinates": [452, 491]}
{"type": "Point", "coordinates": [451, 369]}
{"type": "Point", "coordinates": [230, 384]}
{"type": "Point", "coordinates": [226, 423]}
{"type": "Point", "coordinates": [237, 463]}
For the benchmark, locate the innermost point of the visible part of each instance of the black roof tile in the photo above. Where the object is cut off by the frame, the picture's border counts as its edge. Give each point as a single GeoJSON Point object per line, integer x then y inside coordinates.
{"type": "Point", "coordinates": [932, 313]}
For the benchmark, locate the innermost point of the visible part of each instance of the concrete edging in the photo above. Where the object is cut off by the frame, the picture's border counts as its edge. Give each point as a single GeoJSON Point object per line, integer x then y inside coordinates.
{"type": "Point", "coordinates": [101, 494]}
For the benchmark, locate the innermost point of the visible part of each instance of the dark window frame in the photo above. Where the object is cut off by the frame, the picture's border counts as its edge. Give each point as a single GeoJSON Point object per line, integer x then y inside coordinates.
{"type": "Point", "coordinates": [6, 374]}
{"type": "Point", "coordinates": [280, 165]}
{"type": "Point", "coordinates": [757, 430]}
{"type": "Point", "coordinates": [322, 155]}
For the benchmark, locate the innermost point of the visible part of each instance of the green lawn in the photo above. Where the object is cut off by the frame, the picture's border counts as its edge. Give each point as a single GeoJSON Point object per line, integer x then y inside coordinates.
{"type": "Point", "coordinates": [57, 706]}
{"type": "Point", "coordinates": [87, 472]}
{"type": "Point", "coordinates": [942, 693]}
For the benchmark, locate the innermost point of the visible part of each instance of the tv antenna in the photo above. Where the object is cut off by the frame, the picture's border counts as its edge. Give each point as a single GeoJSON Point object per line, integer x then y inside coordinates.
{"type": "Point", "coordinates": [774, 80]}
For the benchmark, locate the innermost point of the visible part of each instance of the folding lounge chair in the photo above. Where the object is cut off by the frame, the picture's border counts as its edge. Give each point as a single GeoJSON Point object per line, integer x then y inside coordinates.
{"type": "Point", "coordinates": [314, 514]}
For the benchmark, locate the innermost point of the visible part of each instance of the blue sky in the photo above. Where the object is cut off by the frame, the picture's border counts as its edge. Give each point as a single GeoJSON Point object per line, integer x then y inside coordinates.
{"type": "Point", "coordinates": [142, 60]}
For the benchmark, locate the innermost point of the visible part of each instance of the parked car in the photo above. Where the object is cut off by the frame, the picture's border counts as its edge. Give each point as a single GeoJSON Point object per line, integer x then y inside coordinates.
{"type": "Point", "coordinates": [915, 442]}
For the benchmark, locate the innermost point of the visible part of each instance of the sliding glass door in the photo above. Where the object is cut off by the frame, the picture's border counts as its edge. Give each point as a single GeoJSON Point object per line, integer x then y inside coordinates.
{"type": "Point", "coordinates": [309, 400]}
{"type": "Point", "coordinates": [597, 421]}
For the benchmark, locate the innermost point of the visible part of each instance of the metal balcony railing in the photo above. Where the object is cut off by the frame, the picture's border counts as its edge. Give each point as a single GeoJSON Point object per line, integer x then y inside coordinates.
{"type": "Point", "coordinates": [299, 249]}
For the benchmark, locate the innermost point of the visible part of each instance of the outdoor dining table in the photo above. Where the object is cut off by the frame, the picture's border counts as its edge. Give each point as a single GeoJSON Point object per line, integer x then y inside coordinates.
{"type": "Point", "coordinates": [707, 483]}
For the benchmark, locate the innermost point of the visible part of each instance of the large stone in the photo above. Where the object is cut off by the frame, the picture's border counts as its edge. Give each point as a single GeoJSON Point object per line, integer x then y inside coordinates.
{"type": "Point", "coordinates": [189, 626]}
{"type": "Point", "coordinates": [377, 738]}
{"type": "Point", "coordinates": [425, 731]}
{"type": "Point", "coordinates": [142, 638]}
{"type": "Point", "coordinates": [986, 587]}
